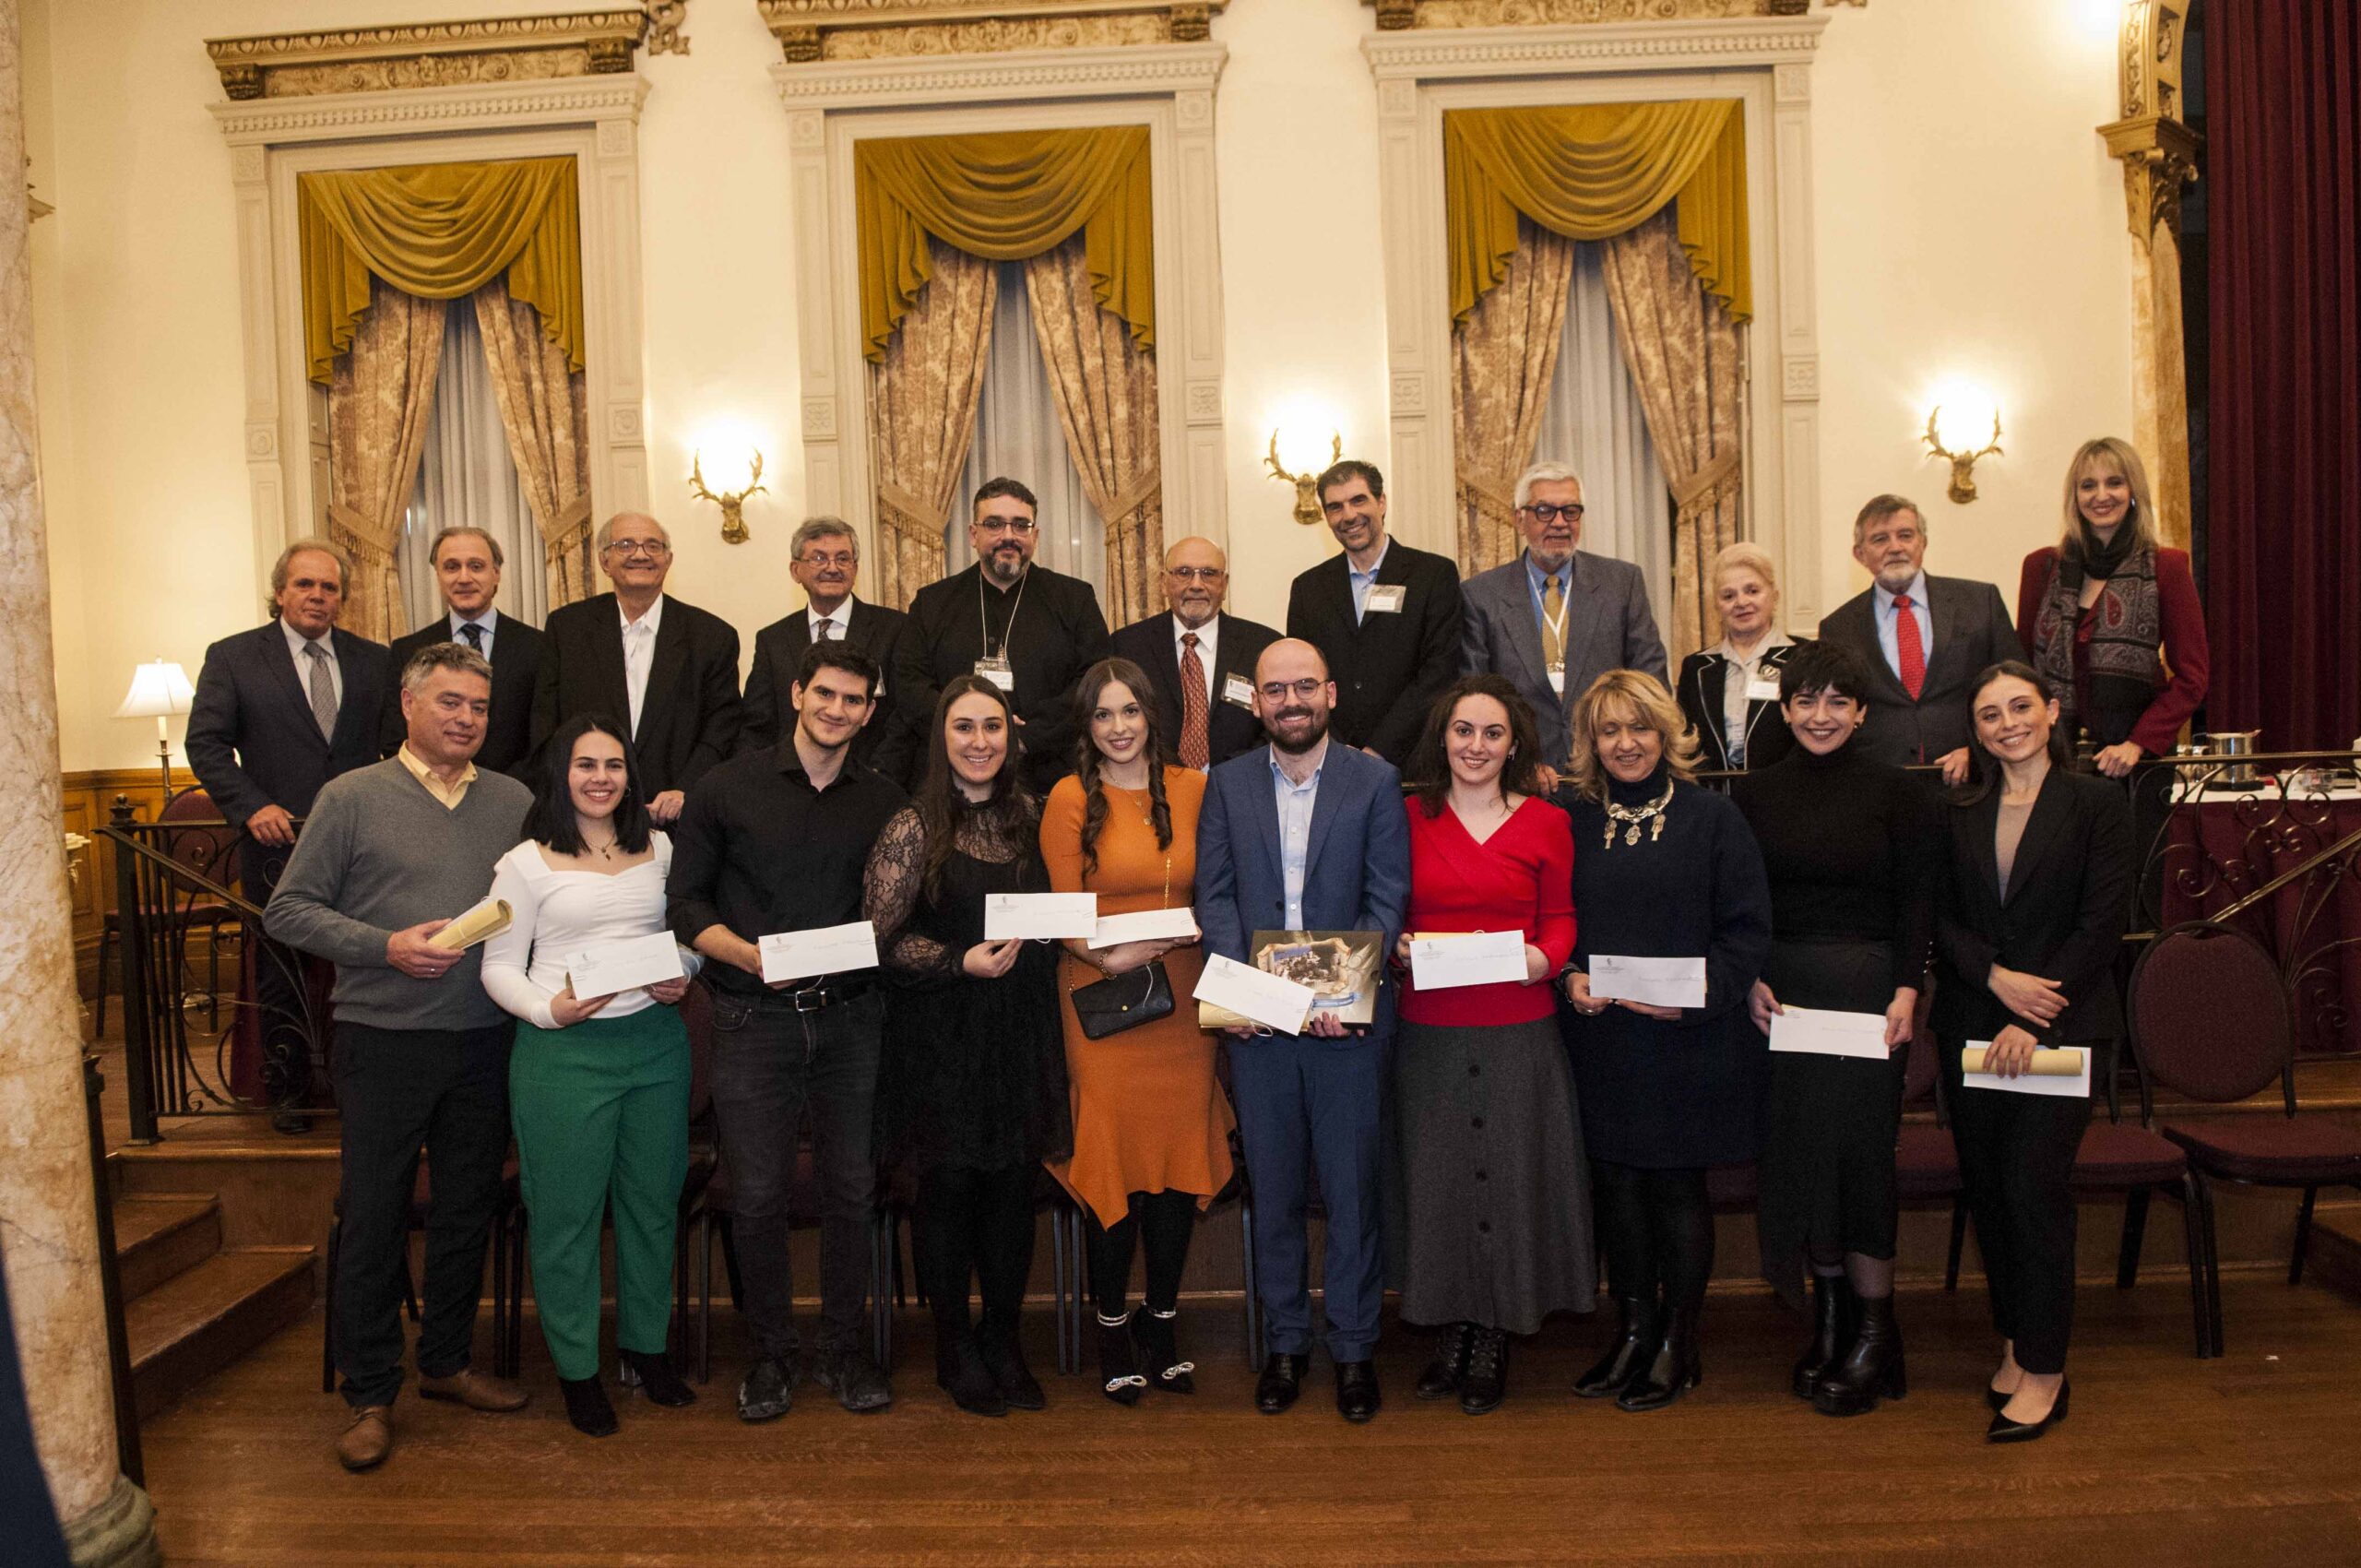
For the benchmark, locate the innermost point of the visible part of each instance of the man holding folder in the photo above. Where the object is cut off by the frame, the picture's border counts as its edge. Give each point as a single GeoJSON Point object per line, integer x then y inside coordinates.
{"type": "Point", "coordinates": [774, 844]}
{"type": "Point", "coordinates": [1305, 836]}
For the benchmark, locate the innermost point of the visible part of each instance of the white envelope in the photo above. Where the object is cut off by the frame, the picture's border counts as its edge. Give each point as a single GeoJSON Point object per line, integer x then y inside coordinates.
{"type": "Point", "coordinates": [1659, 982]}
{"type": "Point", "coordinates": [824, 950]}
{"type": "Point", "coordinates": [1039, 915]}
{"type": "Point", "coordinates": [1820, 1032]}
{"type": "Point", "coordinates": [1148, 925]}
{"type": "Point", "coordinates": [1479, 957]}
{"type": "Point", "coordinates": [1269, 1000]}
{"type": "Point", "coordinates": [624, 963]}
{"type": "Point", "coordinates": [2072, 1086]}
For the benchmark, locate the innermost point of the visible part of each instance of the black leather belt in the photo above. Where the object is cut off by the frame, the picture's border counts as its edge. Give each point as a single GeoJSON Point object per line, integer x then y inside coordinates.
{"type": "Point", "coordinates": [824, 992]}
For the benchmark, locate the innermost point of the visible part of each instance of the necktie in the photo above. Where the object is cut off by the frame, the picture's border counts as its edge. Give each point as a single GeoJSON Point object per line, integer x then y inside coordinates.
{"type": "Point", "coordinates": [831, 633]}
{"type": "Point", "coordinates": [1553, 624]}
{"type": "Point", "coordinates": [1194, 750]}
{"type": "Point", "coordinates": [1911, 655]}
{"type": "Point", "coordinates": [323, 684]}
{"type": "Point", "coordinates": [474, 632]}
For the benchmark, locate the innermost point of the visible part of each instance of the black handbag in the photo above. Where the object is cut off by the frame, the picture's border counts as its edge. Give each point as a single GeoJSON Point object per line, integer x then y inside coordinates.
{"type": "Point", "coordinates": [1121, 1002]}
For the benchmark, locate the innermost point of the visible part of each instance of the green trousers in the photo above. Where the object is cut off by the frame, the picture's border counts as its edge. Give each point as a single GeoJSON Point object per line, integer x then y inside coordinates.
{"type": "Point", "coordinates": [601, 1111]}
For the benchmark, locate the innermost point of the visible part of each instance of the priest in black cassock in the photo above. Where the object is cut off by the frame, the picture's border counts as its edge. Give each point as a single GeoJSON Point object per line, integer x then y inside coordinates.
{"type": "Point", "coordinates": [1027, 629]}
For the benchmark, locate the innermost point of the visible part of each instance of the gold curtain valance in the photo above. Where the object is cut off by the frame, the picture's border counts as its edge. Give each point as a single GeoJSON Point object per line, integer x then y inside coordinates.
{"type": "Point", "coordinates": [439, 230]}
{"type": "Point", "coordinates": [1593, 171]}
{"type": "Point", "coordinates": [1005, 195]}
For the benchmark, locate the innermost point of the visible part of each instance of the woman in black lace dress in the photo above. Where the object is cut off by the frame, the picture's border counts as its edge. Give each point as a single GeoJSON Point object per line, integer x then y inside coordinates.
{"type": "Point", "coordinates": [972, 1087]}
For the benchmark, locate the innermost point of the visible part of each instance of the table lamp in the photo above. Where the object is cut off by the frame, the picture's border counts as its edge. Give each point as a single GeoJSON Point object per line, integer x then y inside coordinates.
{"type": "Point", "coordinates": [159, 690]}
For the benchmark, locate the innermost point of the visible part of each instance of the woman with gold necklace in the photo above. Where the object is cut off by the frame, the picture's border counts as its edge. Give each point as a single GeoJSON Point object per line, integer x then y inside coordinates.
{"type": "Point", "coordinates": [1662, 869]}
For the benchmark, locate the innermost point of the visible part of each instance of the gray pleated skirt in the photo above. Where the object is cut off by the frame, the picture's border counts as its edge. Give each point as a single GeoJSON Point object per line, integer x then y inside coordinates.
{"type": "Point", "coordinates": [1499, 1215]}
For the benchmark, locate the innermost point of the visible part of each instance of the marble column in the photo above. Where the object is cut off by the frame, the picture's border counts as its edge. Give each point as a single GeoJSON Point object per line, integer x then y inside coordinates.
{"type": "Point", "coordinates": [48, 1221]}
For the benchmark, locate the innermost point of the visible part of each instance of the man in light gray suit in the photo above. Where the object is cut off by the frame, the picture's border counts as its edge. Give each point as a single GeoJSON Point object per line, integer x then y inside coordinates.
{"type": "Point", "coordinates": [1557, 617]}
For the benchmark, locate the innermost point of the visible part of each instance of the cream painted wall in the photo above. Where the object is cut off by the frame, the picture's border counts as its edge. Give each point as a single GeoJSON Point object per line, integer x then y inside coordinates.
{"type": "Point", "coordinates": [1969, 224]}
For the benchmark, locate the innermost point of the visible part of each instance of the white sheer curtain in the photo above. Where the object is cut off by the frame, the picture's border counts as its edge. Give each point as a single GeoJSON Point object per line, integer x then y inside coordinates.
{"type": "Point", "coordinates": [1593, 421]}
{"type": "Point", "coordinates": [466, 476]}
{"type": "Point", "coordinates": [1017, 435]}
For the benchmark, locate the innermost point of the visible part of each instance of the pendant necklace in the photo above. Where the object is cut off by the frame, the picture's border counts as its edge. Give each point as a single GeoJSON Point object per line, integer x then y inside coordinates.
{"type": "Point", "coordinates": [1652, 813]}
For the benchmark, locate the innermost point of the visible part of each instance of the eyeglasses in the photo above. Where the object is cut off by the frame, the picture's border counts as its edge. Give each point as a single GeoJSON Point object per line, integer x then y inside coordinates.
{"type": "Point", "coordinates": [1021, 527]}
{"type": "Point", "coordinates": [1544, 512]}
{"type": "Point", "coordinates": [841, 558]}
{"type": "Point", "coordinates": [1197, 574]}
{"type": "Point", "coordinates": [654, 549]}
{"type": "Point", "coordinates": [1277, 691]}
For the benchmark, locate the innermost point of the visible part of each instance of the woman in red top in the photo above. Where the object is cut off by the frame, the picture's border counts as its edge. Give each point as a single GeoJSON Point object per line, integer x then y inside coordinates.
{"type": "Point", "coordinates": [1499, 1234]}
{"type": "Point", "coordinates": [2094, 610]}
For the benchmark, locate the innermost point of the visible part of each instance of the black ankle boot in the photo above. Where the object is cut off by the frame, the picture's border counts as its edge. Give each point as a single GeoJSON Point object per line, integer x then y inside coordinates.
{"type": "Point", "coordinates": [653, 1375]}
{"type": "Point", "coordinates": [1626, 1354]}
{"type": "Point", "coordinates": [587, 1407]}
{"type": "Point", "coordinates": [959, 1368]}
{"type": "Point", "coordinates": [1119, 1360]}
{"type": "Point", "coordinates": [1161, 1353]}
{"type": "Point", "coordinates": [1003, 1353]}
{"type": "Point", "coordinates": [1871, 1367]}
{"type": "Point", "coordinates": [1487, 1382]}
{"type": "Point", "coordinates": [1672, 1371]}
{"type": "Point", "coordinates": [1449, 1368]}
{"type": "Point", "coordinates": [1832, 1304]}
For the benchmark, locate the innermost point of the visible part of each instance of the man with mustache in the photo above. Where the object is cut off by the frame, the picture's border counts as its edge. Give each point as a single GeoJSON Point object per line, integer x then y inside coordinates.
{"type": "Point", "coordinates": [1557, 617]}
{"type": "Point", "coordinates": [1028, 630]}
{"type": "Point", "coordinates": [825, 562]}
{"type": "Point", "coordinates": [1201, 658]}
{"type": "Point", "coordinates": [1306, 834]}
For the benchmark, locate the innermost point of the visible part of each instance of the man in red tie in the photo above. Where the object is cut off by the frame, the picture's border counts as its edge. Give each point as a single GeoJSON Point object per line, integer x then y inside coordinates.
{"type": "Point", "coordinates": [1924, 640]}
{"type": "Point", "coordinates": [1201, 660]}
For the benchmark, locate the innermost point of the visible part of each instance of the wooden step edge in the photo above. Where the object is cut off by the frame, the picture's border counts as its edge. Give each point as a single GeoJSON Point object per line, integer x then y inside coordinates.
{"type": "Point", "coordinates": [2335, 1257]}
{"type": "Point", "coordinates": [202, 1321]}
{"type": "Point", "coordinates": [157, 1239]}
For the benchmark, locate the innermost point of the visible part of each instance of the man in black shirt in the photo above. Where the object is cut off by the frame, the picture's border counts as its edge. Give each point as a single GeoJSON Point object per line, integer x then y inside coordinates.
{"type": "Point", "coordinates": [1027, 629]}
{"type": "Point", "coordinates": [776, 841]}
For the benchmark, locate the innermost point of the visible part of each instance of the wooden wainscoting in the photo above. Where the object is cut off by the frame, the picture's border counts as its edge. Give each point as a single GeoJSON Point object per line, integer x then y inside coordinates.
{"type": "Point", "coordinates": [89, 800]}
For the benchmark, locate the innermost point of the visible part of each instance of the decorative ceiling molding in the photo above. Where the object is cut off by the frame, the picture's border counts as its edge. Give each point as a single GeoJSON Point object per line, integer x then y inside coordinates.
{"type": "Point", "coordinates": [430, 54]}
{"type": "Point", "coordinates": [1402, 15]}
{"type": "Point", "coordinates": [903, 81]}
{"type": "Point", "coordinates": [427, 111]}
{"type": "Point", "coordinates": [812, 30]}
{"type": "Point", "coordinates": [1435, 52]}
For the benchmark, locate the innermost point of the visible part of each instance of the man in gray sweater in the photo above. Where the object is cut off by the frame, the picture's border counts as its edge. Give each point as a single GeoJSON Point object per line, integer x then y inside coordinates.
{"type": "Point", "coordinates": [389, 854]}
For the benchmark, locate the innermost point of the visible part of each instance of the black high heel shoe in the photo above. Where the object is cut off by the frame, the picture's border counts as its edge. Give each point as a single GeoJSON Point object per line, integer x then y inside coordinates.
{"type": "Point", "coordinates": [1672, 1371]}
{"type": "Point", "coordinates": [587, 1407]}
{"type": "Point", "coordinates": [1119, 1361]}
{"type": "Point", "coordinates": [653, 1375]}
{"type": "Point", "coordinates": [1870, 1369]}
{"type": "Point", "coordinates": [1626, 1354]}
{"type": "Point", "coordinates": [1161, 1353]}
{"type": "Point", "coordinates": [2003, 1430]}
{"type": "Point", "coordinates": [1830, 1296]}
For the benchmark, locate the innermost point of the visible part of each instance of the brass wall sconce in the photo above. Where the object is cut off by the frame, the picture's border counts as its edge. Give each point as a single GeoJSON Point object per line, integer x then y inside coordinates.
{"type": "Point", "coordinates": [731, 502]}
{"type": "Point", "coordinates": [1941, 445]}
{"type": "Point", "coordinates": [1306, 502]}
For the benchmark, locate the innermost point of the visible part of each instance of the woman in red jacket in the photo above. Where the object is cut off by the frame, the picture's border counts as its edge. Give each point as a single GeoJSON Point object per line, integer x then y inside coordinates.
{"type": "Point", "coordinates": [2110, 617]}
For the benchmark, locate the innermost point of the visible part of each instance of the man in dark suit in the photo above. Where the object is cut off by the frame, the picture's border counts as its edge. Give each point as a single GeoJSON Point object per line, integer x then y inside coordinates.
{"type": "Point", "coordinates": [279, 712]}
{"type": "Point", "coordinates": [1384, 617]}
{"type": "Point", "coordinates": [1556, 618]}
{"type": "Point", "coordinates": [1925, 640]}
{"type": "Point", "coordinates": [825, 559]}
{"type": "Point", "coordinates": [1200, 659]}
{"type": "Point", "coordinates": [467, 574]}
{"type": "Point", "coordinates": [1303, 834]}
{"type": "Point", "coordinates": [667, 670]}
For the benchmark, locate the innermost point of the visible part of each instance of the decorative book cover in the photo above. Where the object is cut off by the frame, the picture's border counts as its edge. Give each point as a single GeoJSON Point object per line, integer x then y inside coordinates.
{"type": "Point", "coordinates": [1344, 970]}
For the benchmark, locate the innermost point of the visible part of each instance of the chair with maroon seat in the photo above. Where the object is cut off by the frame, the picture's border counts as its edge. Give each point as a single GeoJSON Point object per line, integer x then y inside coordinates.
{"type": "Point", "coordinates": [2211, 1019]}
{"type": "Point", "coordinates": [2135, 1162]}
{"type": "Point", "coordinates": [1926, 1161]}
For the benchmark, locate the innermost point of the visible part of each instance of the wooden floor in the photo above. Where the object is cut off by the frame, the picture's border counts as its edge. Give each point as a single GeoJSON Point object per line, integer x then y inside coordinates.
{"type": "Point", "coordinates": [2165, 1460]}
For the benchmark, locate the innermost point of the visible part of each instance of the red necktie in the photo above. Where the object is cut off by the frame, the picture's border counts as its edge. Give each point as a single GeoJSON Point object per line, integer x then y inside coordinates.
{"type": "Point", "coordinates": [1913, 658]}
{"type": "Point", "coordinates": [1194, 748]}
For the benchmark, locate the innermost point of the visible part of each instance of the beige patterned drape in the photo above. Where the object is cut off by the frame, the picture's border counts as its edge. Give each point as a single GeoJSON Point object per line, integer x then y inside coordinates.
{"type": "Point", "coordinates": [1501, 359]}
{"type": "Point", "coordinates": [544, 406]}
{"type": "Point", "coordinates": [1683, 352]}
{"type": "Point", "coordinates": [377, 405]}
{"type": "Point", "coordinates": [922, 416]}
{"type": "Point", "coordinates": [1105, 389]}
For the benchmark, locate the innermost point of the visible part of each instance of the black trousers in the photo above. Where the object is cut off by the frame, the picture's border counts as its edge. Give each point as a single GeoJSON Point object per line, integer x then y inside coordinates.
{"type": "Point", "coordinates": [400, 1091]}
{"type": "Point", "coordinates": [2016, 1157]}
{"type": "Point", "coordinates": [281, 981]}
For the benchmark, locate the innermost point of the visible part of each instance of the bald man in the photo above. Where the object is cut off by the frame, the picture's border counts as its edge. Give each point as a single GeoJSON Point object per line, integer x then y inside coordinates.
{"type": "Point", "coordinates": [665, 671]}
{"type": "Point", "coordinates": [1201, 658]}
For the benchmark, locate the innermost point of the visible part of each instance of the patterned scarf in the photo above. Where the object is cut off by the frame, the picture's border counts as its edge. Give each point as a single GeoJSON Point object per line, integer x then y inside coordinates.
{"type": "Point", "coordinates": [2127, 632]}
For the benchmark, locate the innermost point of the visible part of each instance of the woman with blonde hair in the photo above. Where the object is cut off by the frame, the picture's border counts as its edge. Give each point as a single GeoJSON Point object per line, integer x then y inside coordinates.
{"type": "Point", "coordinates": [1662, 869]}
{"type": "Point", "coordinates": [2110, 617]}
{"type": "Point", "coordinates": [1730, 692]}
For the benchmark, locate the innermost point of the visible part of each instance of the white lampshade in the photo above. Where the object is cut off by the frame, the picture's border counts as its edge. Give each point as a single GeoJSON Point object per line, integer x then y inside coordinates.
{"type": "Point", "coordinates": [157, 689]}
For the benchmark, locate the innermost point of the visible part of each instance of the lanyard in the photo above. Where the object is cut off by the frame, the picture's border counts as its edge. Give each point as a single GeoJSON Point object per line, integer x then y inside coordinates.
{"type": "Point", "coordinates": [983, 626]}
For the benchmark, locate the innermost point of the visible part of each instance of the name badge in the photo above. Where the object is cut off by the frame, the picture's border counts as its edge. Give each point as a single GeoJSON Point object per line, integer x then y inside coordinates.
{"type": "Point", "coordinates": [1237, 688]}
{"type": "Point", "coordinates": [1558, 679]}
{"type": "Point", "coordinates": [997, 671]}
{"type": "Point", "coordinates": [1385, 598]}
{"type": "Point", "coordinates": [1760, 690]}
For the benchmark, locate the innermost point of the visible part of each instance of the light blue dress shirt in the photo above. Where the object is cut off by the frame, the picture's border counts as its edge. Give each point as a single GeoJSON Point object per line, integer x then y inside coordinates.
{"type": "Point", "coordinates": [1363, 581]}
{"type": "Point", "coordinates": [1295, 802]}
{"type": "Point", "coordinates": [489, 620]}
{"type": "Point", "coordinates": [1883, 602]}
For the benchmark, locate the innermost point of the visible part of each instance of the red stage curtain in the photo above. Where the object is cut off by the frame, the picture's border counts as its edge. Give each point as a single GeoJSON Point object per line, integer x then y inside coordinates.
{"type": "Point", "coordinates": [2283, 530]}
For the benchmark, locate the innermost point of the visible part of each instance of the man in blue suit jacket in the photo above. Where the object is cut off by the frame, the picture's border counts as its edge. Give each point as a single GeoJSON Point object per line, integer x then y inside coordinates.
{"type": "Point", "coordinates": [1306, 835]}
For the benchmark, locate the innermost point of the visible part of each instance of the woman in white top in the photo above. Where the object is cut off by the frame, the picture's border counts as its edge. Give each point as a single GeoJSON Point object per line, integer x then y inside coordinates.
{"type": "Point", "coordinates": [598, 1085]}
{"type": "Point", "coordinates": [1729, 692]}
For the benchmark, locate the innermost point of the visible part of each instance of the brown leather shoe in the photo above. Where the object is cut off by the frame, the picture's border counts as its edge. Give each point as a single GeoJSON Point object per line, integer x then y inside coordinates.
{"type": "Point", "coordinates": [368, 1440]}
{"type": "Point", "coordinates": [475, 1390]}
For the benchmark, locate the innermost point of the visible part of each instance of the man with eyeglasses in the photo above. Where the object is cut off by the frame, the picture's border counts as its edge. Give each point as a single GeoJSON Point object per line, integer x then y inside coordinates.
{"type": "Point", "coordinates": [825, 561]}
{"type": "Point", "coordinates": [1557, 617]}
{"type": "Point", "coordinates": [667, 671]}
{"type": "Point", "coordinates": [1028, 630]}
{"type": "Point", "coordinates": [1200, 657]}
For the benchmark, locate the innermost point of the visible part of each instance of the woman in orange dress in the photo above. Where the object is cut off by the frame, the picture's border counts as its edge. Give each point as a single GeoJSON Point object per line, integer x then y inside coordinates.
{"type": "Point", "coordinates": [1151, 1127]}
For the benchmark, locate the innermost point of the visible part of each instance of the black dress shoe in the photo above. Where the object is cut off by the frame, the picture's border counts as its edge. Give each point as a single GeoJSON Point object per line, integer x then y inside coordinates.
{"type": "Point", "coordinates": [1488, 1373]}
{"type": "Point", "coordinates": [768, 1391]}
{"type": "Point", "coordinates": [1449, 1368]}
{"type": "Point", "coordinates": [1356, 1395]}
{"type": "Point", "coordinates": [857, 1382]}
{"type": "Point", "coordinates": [1626, 1355]}
{"type": "Point", "coordinates": [653, 1375]}
{"type": "Point", "coordinates": [1672, 1371]}
{"type": "Point", "coordinates": [959, 1369]}
{"type": "Point", "coordinates": [294, 1124]}
{"type": "Point", "coordinates": [1281, 1380]}
{"type": "Point", "coordinates": [1003, 1353]}
{"type": "Point", "coordinates": [2003, 1430]}
{"type": "Point", "coordinates": [587, 1407]}
{"type": "Point", "coordinates": [1831, 1295]}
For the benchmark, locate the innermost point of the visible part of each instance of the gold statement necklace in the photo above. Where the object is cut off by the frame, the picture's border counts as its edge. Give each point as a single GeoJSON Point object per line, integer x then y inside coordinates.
{"type": "Point", "coordinates": [1652, 813]}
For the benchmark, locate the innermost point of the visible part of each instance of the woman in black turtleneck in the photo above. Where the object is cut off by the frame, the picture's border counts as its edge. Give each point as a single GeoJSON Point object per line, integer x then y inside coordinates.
{"type": "Point", "coordinates": [1662, 870]}
{"type": "Point", "coordinates": [1849, 846]}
